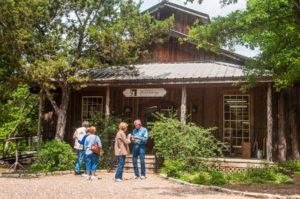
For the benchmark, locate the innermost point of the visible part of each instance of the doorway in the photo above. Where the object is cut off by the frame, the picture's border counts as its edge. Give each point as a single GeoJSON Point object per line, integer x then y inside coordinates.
{"type": "Point", "coordinates": [146, 114]}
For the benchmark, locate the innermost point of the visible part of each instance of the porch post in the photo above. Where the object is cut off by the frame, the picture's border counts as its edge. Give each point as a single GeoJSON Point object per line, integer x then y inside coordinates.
{"type": "Point", "coordinates": [269, 123]}
{"type": "Point", "coordinates": [107, 111]}
{"type": "Point", "coordinates": [183, 105]}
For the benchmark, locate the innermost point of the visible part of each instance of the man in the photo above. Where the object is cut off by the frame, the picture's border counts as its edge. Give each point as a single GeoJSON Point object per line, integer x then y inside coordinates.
{"type": "Point", "coordinates": [139, 139]}
{"type": "Point", "coordinates": [78, 135]}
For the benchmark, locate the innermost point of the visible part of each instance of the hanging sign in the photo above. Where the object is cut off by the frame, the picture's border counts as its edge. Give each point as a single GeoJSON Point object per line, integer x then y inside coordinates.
{"type": "Point", "coordinates": [144, 92]}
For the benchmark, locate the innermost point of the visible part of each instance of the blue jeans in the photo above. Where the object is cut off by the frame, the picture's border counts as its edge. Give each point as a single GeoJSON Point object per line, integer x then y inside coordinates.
{"type": "Point", "coordinates": [121, 163]}
{"type": "Point", "coordinates": [139, 150]}
{"type": "Point", "coordinates": [91, 162]}
{"type": "Point", "coordinates": [80, 157]}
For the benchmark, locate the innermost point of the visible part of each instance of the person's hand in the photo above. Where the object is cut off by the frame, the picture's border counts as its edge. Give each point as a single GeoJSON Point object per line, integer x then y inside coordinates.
{"type": "Point", "coordinates": [137, 138]}
{"type": "Point", "coordinates": [129, 136]}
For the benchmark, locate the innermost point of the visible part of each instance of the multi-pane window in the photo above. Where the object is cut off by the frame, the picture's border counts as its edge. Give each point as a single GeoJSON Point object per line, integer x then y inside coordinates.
{"type": "Point", "coordinates": [236, 122]}
{"type": "Point", "coordinates": [90, 106]}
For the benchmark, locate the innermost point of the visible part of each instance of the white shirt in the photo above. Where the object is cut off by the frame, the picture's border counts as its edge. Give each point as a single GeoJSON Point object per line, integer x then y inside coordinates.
{"type": "Point", "coordinates": [80, 132]}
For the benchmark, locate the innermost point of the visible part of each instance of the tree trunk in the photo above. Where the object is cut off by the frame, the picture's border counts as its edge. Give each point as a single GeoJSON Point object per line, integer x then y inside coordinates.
{"type": "Point", "coordinates": [293, 123]}
{"type": "Point", "coordinates": [62, 114]}
{"type": "Point", "coordinates": [281, 129]}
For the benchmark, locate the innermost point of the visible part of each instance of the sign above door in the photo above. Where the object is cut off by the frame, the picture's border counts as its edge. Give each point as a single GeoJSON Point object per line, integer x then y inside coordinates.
{"type": "Point", "coordinates": [144, 92]}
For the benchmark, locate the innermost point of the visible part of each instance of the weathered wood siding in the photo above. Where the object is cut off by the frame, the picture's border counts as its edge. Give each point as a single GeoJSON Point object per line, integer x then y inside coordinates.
{"type": "Point", "coordinates": [173, 51]}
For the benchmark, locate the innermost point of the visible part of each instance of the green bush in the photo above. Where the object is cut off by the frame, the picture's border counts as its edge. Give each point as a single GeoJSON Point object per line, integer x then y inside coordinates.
{"type": "Point", "coordinates": [217, 178]}
{"type": "Point", "coordinates": [172, 139]}
{"type": "Point", "coordinates": [202, 178]}
{"type": "Point", "coordinates": [54, 156]}
{"type": "Point", "coordinates": [173, 168]}
{"type": "Point", "coordinates": [236, 178]}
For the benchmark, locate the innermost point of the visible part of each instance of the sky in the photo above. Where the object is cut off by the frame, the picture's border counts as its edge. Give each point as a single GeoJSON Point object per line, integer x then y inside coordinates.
{"type": "Point", "coordinates": [213, 9]}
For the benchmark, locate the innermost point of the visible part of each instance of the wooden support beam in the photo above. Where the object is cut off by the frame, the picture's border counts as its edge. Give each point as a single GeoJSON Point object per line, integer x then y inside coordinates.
{"type": "Point", "coordinates": [183, 105]}
{"type": "Point", "coordinates": [40, 119]}
{"type": "Point", "coordinates": [269, 123]}
{"type": "Point", "coordinates": [107, 101]}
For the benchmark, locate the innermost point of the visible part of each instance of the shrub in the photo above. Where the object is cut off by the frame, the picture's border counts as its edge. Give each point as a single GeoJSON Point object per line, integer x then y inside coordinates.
{"type": "Point", "coordinates": [236, 178]}
{"type": "Point", "coordinates": [217, 178]}
{"type": "Point", "coordinates": [54, 156]}
{"type": "Point", "coordinates": [173, 168]}
{"type": "Point", "coordinates": [172, 139]}
{"type": "Point", "coordinates": [202, 178]}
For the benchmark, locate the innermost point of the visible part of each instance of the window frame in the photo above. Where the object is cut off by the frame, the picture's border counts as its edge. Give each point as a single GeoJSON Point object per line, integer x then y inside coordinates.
{"type": "Point", "coordinates": [236, 121]}
{"type": "Point", "coordinates": [82, 105]}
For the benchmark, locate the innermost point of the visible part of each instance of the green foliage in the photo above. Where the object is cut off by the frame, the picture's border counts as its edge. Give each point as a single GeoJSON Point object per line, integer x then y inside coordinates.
{"type": "Point", "coordinates": [58, 44]}
{"type": "Point", "coordinates": [292, 164]}
{"type": "Point", "coordinates": [54, 156]}
{"type": "Point", "coordinates": [217, 178]}
{"type": "Point", "coordinates": [273, 26]}
{"type": "Point", "coordinates": [18, 116]}
{"type": "Point", "coordinates": [201, 178]}
{"type": "Point", "coordinates": [172, 139]}
{"type": "Point", "coordinates": [173, 168]}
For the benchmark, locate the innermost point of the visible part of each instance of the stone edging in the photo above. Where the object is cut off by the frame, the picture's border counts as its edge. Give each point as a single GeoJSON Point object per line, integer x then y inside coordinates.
{"type": "Point", "coordinates": [36, 175]}
{"type": "Point", "coordinates": [235, 192]}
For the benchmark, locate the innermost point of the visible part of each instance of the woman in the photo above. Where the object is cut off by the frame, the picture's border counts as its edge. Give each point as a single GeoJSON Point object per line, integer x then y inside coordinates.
{"type": "Point", "coordinates": [121, 149]}
{"type": "Point", "coordinates": [92, 158]}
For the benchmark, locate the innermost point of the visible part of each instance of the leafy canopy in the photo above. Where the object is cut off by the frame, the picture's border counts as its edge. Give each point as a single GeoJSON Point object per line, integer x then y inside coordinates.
{"type": "Point", "coordinates": [271, 25]}
{"type": "Point", "coordinates": [69, 37]}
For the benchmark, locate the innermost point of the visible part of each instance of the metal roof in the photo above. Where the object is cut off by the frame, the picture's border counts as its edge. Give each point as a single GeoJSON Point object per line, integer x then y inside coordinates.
{"type": "Point", "coordinates": [164, 71]}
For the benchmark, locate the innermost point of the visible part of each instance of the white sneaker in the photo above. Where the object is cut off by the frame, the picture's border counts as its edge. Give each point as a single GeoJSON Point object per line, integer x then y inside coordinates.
{"type": "Point", "coordinates": [143, 177]}
{"type": "Point", "coordinates": [118, 180]}
{"type": "Point", "coordinates": [88, 177]}
{"type": "Point", "coordinates": [136, 177]}
{"type": "Point", "coordinates": [94, 178]}
{"type": "Point", "coordinates": [84, 175]}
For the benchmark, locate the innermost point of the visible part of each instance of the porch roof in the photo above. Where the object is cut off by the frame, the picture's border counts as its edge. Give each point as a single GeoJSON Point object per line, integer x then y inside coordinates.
{"type": "Point", "coordinates": [172, 71]}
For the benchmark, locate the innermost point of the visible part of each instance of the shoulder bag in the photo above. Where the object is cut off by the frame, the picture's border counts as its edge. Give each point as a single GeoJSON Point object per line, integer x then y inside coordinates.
{"type": "Point", "coordinates": [95, 148]}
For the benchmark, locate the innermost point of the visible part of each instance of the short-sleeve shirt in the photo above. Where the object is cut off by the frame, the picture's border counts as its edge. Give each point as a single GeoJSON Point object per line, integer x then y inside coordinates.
{"type": "Point", "coordinates": [80, 132]}
{"type": "Point", "coordinates": [89, 141]}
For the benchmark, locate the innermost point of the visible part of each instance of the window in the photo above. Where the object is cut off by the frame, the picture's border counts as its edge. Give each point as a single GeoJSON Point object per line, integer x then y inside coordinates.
{"type": "Point", "coordinates": [236, 119]}
{"type": "Point", "coordinates": [90, 106]}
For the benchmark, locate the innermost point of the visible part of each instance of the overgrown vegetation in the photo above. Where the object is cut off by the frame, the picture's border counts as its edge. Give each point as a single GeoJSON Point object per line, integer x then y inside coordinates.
{"type": "Point", "coordinates": [18, 117]}
{"type": "Point", "coordinates": [210, 176]}
{"type": "Point", "coordinates": [174, 140]}
{"type": "Point", "coordinates": [54, 155]}
{"type": "Point", "coordinates": [186, 150]}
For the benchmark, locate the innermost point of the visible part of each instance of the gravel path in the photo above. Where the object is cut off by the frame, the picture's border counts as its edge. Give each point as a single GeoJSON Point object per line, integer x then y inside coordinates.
{"type": "Point", "coordinates": [70, 186]}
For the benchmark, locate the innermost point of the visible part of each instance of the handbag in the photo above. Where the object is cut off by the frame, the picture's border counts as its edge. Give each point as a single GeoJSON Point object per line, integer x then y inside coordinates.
{"type": "Point", "coordinates": [95, 148]}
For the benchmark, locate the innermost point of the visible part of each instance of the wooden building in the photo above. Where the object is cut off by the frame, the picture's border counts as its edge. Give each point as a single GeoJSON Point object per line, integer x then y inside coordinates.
{"type": "Point", "coordinates": [193, 81]}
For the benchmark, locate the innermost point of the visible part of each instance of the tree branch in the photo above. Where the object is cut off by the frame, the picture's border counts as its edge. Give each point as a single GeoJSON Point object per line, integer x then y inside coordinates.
{"type": "Point", "coordinates": [52, 101]}
{"type": "Point", "coordinates": [78, 17]}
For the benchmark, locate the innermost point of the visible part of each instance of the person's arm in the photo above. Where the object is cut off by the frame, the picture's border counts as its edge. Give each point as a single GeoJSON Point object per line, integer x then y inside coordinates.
{"type": "Point", "coordinates": [75, 135]}
{"type": "Point", "coordinates": [98, 141]}
{"type": "Point", "coordinates": [124, 139]}
{"type": "Point", "coordinates": [83, 140]}
{"type": "Point", "coordinates": [145, 136]}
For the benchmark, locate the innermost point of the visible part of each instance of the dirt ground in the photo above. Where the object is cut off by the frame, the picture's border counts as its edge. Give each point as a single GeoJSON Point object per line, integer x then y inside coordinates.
{"type": "Point", "coordinates": [292, 189]}
{"type": "Point", "coordinates": [70, 186]}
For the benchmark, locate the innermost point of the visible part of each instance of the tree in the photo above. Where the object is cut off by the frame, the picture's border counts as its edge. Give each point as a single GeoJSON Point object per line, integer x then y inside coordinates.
{"type": "Point", "coordinates": [69, 38]}
{"type": "Point", "coordinates": [271, 25]}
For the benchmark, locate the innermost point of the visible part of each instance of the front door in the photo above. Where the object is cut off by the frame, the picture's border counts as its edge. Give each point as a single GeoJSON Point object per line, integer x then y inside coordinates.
{"type": "Point", "coordinates": [147, 112]}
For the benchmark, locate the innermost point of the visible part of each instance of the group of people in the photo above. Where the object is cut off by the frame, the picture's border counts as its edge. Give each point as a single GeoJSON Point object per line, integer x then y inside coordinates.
{"type": "Point", "coordinates": [85, 138]}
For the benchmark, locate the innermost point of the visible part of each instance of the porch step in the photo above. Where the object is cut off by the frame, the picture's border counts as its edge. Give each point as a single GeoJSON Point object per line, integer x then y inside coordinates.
{"type": "Point", "coordinates": [150, 164]}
